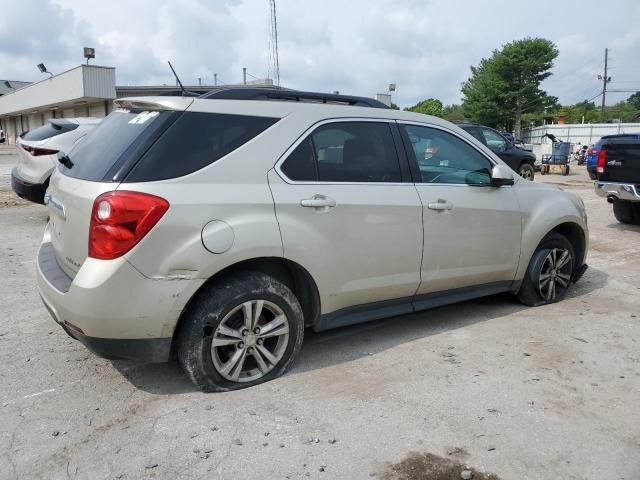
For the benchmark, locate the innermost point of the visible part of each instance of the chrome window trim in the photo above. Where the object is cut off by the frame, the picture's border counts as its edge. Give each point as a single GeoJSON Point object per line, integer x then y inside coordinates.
{"type": "Point", "coordinates": [492, 162]}
{"type": "Point", "coordinates": [310, 130]}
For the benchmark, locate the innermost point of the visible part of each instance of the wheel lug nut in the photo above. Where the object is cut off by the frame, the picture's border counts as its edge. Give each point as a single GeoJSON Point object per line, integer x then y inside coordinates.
{"type": "Point", "coordinates": [240, 345]}
{"type": "Point", "coordinates": [256, 330]}
{"type": "Point", "coordinates": [259, 341]}
{"type": "Point", "coordinates": [245, 332]}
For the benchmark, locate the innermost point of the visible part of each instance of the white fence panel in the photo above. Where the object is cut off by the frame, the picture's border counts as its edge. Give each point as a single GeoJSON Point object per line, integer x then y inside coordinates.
{"type": "Point", "coordinates": [585, 134]}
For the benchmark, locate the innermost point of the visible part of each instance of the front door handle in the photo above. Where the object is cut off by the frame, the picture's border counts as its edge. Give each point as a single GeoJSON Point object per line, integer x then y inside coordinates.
{"type": "Point", "coordinates": [318, 201]}
{"type": "Point", "coordinates": [440, 204]}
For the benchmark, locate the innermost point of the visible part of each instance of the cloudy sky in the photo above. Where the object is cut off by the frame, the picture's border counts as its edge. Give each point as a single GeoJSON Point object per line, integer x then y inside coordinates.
{"type": "Point", "coordinates": [354, 46]}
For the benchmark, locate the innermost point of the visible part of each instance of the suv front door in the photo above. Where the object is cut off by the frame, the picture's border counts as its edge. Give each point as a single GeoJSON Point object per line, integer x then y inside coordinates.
{"type": "Point", "coordinates": [349, 213]}
{"type": "Point", "coordinates": [472, 231]}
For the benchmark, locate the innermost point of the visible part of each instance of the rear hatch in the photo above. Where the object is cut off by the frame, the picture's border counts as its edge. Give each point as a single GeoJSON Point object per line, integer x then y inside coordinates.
{"type": "Point", "coordinates": [97, 165]}
{"type": "Point", "coordinates": [36, 156]}
{"type": "Point", "coordinates": [622, 159]}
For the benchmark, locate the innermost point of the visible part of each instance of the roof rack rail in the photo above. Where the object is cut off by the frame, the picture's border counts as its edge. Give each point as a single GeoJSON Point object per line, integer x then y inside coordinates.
{"type": "Point", "coordinates": [283, 94]}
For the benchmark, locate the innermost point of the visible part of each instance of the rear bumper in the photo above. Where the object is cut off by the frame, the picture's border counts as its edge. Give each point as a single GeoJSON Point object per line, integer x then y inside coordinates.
{"type": "Point", "coordinates": [111, 307]}
{"type": "Point", "coordinates": [34, 192]}
{"type": "Point", "coordinates": [618, 191]}
{"type": "Point", "coordinates": [151, 350]}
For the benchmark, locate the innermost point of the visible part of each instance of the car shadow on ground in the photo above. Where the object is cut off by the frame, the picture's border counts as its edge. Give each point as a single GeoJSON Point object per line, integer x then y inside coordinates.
{"type": "Point", "coordinates": [347, 344]}
{"type": "Point", "coordinates": [624, 227]}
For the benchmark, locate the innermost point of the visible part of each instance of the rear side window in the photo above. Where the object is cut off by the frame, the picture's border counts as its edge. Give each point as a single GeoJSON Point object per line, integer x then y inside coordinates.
{"type": "Point", "coordinates": [346, 152]}
{"type": "Point", "coordinates": [47, 131]}
{"type": "Point", "coordinates": [194, 141]}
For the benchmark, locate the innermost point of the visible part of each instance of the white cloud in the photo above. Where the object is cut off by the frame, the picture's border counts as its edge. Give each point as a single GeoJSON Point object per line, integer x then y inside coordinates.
{"type": "Point", "coordinates": [355, 46]}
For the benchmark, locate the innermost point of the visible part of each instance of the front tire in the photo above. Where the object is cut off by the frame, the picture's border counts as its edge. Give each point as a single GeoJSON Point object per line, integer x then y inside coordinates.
{"type": "Point", "coordinates": [242, 330]}
{"type": "Point", "coordinates": [549, 272]}
{"type": "Point", "coordinates": [526, 171]}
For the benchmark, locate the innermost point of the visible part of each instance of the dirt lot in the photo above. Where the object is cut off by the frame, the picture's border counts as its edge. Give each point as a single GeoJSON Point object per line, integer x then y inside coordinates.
{"type": "Point", "coordinates": [505, 391]}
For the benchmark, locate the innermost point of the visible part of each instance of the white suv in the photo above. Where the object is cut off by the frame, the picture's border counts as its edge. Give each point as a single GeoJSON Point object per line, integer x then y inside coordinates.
{"type": "Point", "coordinates": [220, 227]}
{"type": "Point", "coordinates": [38, 154]}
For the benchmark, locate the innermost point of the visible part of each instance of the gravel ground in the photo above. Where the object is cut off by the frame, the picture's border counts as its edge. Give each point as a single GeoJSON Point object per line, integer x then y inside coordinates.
{"type": "Point", "coordinates": [490, 386]}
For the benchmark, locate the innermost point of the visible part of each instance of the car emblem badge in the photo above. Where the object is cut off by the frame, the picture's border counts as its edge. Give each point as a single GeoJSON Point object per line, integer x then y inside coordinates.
{"type": "Point", "coordinates": [52, 201]}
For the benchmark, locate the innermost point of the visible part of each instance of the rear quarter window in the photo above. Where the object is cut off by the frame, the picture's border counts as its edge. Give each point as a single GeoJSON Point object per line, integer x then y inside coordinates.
{"type": "Point", "coordinates": [194, 141]}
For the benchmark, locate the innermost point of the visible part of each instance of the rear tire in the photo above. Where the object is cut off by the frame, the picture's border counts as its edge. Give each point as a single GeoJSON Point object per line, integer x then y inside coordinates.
{"type": "Point", "coordinates": [526, 171]}
{"type": "Point", "coordinates": [242, 330]}
{"type": "Point", "coordinates": [626, 212]}
{"type": "Point", "coordinates": [549, 273]}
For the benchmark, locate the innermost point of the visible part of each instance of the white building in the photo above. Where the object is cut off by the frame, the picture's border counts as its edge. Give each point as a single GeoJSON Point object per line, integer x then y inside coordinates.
{"type": "Point", "coordinates": [83, 91]}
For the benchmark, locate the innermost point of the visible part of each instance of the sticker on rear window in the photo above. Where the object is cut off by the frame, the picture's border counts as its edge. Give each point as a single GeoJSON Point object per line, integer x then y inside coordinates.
{"type": "Point", "coordinates": [144, 117]}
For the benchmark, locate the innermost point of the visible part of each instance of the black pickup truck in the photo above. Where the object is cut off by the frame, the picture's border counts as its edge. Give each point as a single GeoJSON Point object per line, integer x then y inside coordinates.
{"type": "Point", "coordinates": [617, 172]}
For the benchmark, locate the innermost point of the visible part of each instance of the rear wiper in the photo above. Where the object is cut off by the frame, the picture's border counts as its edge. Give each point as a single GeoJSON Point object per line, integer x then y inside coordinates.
{"type": "Point", "coordinates": [64, 159]}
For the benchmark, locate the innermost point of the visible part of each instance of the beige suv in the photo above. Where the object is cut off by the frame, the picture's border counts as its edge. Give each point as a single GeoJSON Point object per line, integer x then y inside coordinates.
{"type": "Point", "coordinates": [220, 227]}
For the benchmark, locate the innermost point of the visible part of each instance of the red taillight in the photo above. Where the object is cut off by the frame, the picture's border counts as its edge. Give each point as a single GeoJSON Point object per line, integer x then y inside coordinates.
{"type": "Point", "coordinates": [119, 220]}
{"type": "Point", "coordinates": [602, 160]}
{"type": "Point", "coordinates": [37, 151]}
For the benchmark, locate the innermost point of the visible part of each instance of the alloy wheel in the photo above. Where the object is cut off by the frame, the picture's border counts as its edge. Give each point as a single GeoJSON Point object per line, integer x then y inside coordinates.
{"type": "Point", "coordinates": [526, 174]}
{"type": "Point", "coordinates": [555, 274]}
{"type": "Point", "coordinates": [250, 341]}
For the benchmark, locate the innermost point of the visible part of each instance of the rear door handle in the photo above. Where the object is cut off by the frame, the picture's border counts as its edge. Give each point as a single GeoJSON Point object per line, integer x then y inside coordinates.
{"type": "Point", "coordinates": [441, 204]}
{"type": "Point", "coordinates": [318, 201]}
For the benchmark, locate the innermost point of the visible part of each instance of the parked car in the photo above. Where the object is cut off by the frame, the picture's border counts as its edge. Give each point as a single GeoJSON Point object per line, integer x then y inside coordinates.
{"type": "Point", "coordinates": [618, 175]}
{"type": "Point", "coordinates": [520, 160]}
{"type": "Point", "coordinates": [592, 159]}
{"type": "Point", "coordinates": [219, 228]}
{"type": "Point", "coordinates": [2, 136]}
{"type": "Point", "coordinates": [38, 154]}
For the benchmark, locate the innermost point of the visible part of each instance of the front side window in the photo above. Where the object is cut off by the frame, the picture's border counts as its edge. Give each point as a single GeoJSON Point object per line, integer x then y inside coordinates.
{"type": "Point", "coordinates": [495, 141]}
{"type": "Point", "coordinates": [445, 158]}
{"type": "Point", "coordinates": [345, 152]}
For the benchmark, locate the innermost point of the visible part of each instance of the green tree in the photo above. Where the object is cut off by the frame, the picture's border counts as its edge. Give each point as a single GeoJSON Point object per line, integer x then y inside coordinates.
{"type": "Point", "coordinates": [454, 113]}
{"type": "Point", "coordinates": [634, 100]}
{"type": "Point", "coordinates": [506, 85]}
{"type": "Point", "coordinates": [430, 106]}
{"type": "Point", "coordinates": [393, 106]}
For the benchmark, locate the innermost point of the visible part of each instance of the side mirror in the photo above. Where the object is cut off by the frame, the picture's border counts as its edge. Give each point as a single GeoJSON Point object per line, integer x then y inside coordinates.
{"type": "Point", "coordinates": [501, 176]}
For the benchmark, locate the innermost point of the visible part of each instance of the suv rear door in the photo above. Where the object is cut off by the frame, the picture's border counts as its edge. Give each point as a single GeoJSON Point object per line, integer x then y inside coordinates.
{"type": "Point", "coordinates": [349, 213]}
{"type": "Point", "coordinates": [472, 231]}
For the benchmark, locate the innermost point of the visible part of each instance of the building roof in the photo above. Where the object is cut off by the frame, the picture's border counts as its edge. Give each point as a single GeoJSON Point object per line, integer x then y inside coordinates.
{"type": "Point", "coordinates": [15, 85]}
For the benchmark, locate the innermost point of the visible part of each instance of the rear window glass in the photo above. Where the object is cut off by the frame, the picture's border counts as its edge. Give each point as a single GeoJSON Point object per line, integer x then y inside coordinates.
{"type": "Point", "coordinates": [97, 157]}
{"type": "Point", "coordinates": [47, 131]}
{"type": "Point", "coordinates": [194, 141]}
{"type": "Point", "coordinates": [147, 146]}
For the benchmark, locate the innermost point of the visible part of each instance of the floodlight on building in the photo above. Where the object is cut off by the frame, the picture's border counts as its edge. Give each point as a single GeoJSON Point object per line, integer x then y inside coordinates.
{"type": "Point", "coordinates": [89, 52]}
{"type": "Point", "coordinates": [43, 69]}
{"type": "Point", "coordinates": [392, 87]}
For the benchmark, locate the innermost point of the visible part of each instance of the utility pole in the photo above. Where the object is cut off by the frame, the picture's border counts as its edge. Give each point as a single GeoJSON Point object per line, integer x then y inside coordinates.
{"type": "Point", "coordinates": [605, 79]}
{"type": "Point", "coordinates": [244, 75]}
{"type": "Point", "coordinates": [215, 79]}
